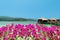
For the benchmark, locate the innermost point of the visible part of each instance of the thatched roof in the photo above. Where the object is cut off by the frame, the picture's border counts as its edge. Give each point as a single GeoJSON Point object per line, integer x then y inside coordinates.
{"type": "Point", "coordinates": [52, 19]}
{"type": "Point", "coordinates": [43, 18]}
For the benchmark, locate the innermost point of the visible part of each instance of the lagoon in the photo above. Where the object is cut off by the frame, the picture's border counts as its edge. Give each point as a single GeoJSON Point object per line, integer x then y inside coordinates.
{"type": "Point", "coordinates": [3, 23]}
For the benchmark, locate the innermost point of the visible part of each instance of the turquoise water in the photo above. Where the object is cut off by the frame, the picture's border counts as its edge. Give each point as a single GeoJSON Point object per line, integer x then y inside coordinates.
{"type": "Point", "coordinates": [3, 23]}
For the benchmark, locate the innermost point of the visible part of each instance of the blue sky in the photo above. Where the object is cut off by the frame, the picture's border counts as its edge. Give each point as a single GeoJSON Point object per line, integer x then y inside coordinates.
{"type": "Point", "coordinates": [30, 8]}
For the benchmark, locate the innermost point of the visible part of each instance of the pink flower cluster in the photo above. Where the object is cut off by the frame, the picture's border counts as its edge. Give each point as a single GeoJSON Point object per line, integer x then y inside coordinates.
{"type": "Point", "coordinates": [36, 32]}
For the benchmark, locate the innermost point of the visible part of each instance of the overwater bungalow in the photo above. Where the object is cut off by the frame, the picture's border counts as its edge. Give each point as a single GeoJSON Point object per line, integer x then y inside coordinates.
{"type": "Point", "coordinates": [58, 20]}
{"type": "Point", "coordinates": [52, 21]}
{"type": "Point", "coordinates": [42, 20]}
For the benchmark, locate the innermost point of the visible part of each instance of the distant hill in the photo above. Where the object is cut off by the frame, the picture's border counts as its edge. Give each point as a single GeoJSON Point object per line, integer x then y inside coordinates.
{"type": "Point", "coordinates": [6, 18]}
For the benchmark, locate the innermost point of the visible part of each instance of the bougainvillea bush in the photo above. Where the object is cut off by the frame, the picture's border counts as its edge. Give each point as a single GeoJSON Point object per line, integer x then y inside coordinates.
{"type": "Point", "coordinates": [29, 32]}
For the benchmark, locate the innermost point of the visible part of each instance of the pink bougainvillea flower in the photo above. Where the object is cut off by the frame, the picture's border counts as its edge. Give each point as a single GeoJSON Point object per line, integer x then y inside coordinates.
{"type": "Point", "coordinates": [4, 29]}
{"type": "Point", "coordinates": [11, 27]}
{"type": "Point", "coordinates": [15, 31]}
{"type": "Point", "coordinates": [38, 27]}
{"type": "Point", "coordinates": [34, 33]}
{"type": "Point", "coordinates": [37, 35]}
{"type": "Point", "coordinates": [29, 33]}
{"type": "Point", "coordinates": [43, 38]}
{"type": "Point", "coordinates": [58, 32]}
{"type": "Point", "coordinates": [19, 26]}
{"type": "Point", "coordinates": [56, 37]}
{"type": "Point", "coordinates": [45, 29]}
{"type": "Point", "coordinates": [37, 39]}
{"type": "Point", "coordinates": [30, 30]}
{"type": "Point", "coordinates": [1, 32]}
{"type": "Point", "coordinates": [12, 35]}
{"type": "Point", "coordinates": [5, 38]}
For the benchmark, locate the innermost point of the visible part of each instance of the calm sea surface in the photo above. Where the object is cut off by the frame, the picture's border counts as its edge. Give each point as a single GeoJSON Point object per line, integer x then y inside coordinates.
{"type": "Point", "coordinates": [2, 23]}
